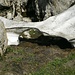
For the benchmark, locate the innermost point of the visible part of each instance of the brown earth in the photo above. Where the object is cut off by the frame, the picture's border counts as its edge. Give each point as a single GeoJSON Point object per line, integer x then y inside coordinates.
{"type": "Point", "coordinates": [29, 57]}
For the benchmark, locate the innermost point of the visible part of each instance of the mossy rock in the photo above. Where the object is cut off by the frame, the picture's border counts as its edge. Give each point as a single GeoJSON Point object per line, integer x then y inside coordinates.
{"type": "Point", "coordinates": [31, 33]}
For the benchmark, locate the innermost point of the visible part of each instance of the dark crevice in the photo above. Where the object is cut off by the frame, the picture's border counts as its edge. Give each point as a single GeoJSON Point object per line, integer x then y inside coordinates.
{"type": "Point", "coordinates": [42, 7]}
{"type": "Point", "coordinates": [4, 7]}
{"type": "Point", "coordinates": [72, 4]}
{"type": "Point", "coordinates": [31, 10]}
{"type": "Point", "coordinates": [50, 40]}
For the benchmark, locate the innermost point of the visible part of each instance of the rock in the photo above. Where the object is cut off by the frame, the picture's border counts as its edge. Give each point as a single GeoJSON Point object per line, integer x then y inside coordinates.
{"type": "Point", "coordinates": [18, 18]}
{"type": "Point", "coordinates": [3, 39]}
{"type": "Point", "coordinates": [72, 41]}
{"type": "Point", "coordinates": [9, 15]}
{"type": "Point", "coordinates": [42, 9]}
{"type": "Point", "coordinates": [31, 33]}
{"type": "Point", "coordinates": [37, 10]}
{"type": "Point", "coordinates": [26, 19]}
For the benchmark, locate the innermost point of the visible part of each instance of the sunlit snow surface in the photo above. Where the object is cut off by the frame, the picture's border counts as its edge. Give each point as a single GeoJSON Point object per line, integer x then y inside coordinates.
{"type": "Point", "coordinates": [59, 25]}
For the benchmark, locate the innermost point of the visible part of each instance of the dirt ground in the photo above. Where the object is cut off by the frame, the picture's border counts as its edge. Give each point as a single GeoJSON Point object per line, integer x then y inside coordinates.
{"type": "Point", "coordinates": [29, 57]}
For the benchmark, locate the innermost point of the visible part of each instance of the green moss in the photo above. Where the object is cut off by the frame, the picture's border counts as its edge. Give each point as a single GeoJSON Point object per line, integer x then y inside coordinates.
{"type": "Point", "coordinates": [35, 33]}
{"type": "Point", "coordinates": [9, 49]}
{"type": "Point", "coordinates": [56, 67]}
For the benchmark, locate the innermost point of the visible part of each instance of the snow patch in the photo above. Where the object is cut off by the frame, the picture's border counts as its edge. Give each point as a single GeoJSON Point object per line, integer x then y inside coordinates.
{"type": "Point", "coordinates": [12, 38]}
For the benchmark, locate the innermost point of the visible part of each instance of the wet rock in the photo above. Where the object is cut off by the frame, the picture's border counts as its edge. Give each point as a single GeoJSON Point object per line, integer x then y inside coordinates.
{"type": "Point", "coordinates": [3, 39]}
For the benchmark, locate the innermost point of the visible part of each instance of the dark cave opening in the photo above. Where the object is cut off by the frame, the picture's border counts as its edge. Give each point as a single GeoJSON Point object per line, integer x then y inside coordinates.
{"type": "Point", "coordinates": [50, 40]}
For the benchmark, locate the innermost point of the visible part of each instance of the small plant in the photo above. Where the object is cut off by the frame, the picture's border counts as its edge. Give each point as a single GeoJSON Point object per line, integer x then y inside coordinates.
{"type": "Point", "coordinates": [1, 58]}
{"type": "Point", "coordinates": [9, 49]}
{"type": "Point", "coordinates": [56, 67]}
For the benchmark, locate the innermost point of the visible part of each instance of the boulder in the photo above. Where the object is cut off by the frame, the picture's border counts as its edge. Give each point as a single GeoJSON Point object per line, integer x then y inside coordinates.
{"type": "Point", "coordinates": [9, 15]}
{"type": "Point", "coordinates": [18, 18]}
{"type": "Point", "coordinates": [3, 39]}
{"type": "Point", "coordinates": [37, 10]}
{"type": "Point", "coordinates": [43, 9]}
{"type": "Point", "coordinates": [31, 33]}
